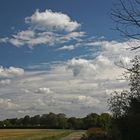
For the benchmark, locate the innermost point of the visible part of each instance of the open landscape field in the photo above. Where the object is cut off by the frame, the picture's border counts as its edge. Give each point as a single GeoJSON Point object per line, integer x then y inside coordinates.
{"type": "Point", "coordinates": [32, 134]}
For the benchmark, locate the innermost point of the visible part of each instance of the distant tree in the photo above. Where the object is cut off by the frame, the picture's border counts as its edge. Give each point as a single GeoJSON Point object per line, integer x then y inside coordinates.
{"type": "Point", "coordinates": [35, 120]}
{"type": "Point", "coordinates": [91, 120]}
{"type": "Point", "coordinates": [105, 121]}
{"type": "Point", "coordinates": [75, 123]}
{"type": "Point", "coordinates": [13, 121]}
{"type": "Point", "coordinates": [51, 120]}
{"type": "Point", "coordinates": [6, 123]}
{"type": "Point", "coordinates": [43, 119]}
{"type": "Point", "coordinates": [19, 122]}
{"type": "Point", "coordinates": [1, 124]}
{"type": "Point", "coordinates": [62, 121]}
{"type": "Point", "coordinates": [26, 120]}
{"type": "Point", "coordinates": [80, 123]}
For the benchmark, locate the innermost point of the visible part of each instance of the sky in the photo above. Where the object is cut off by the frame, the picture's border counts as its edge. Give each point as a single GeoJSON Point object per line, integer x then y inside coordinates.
{"type": "Point", "coordinates": [59, 56]}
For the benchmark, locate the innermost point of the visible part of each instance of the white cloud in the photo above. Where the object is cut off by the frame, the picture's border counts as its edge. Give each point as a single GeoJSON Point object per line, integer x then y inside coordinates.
{"type": "Point", "coordinates": [5, 82]}
{"type": "Point", "coordinates": [72, 36]}
{"type": "Point", "coordinates": [100, 68]}
{"type": "Point", "coordinates": [7, 104]}
{"type": "Point", "coordinates": [4, 40]}
{"type": "Point", "coordinates": [11, 72]}
{"type": "Point", "coordinates": [49, 20]}
{"type": "Point", "coordinates": [46, 28]}
{"type": "Point", "coordinates": [16, 42]}
{"type": "Point", "coordinates": [25, 35]}
{"type": "Point", "coordinates": [43, 90]}
{"type": "Point", "coordinates": [81, 66]}
{"type": "Point", "coordinates": [110, 45]}
{"type": "Point", "coordinates": [32, 38]}
{"type": "Point", "coordinates": [67, 47]}
{"type": "Point", "coordinates": [75, 87]}
{"type": "Point", "coordinates": [103, 61]}
{"type": "Point", "coordinates": [115, 47]}
{"type": "Point", "coordinates": [87, 100]}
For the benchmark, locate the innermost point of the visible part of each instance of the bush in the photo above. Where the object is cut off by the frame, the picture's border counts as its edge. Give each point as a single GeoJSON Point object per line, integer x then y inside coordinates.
{"type": "Point", "coordinates": [97, 134]}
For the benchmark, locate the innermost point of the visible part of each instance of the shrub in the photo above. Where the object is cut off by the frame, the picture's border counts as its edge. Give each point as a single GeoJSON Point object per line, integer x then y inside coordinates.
{"type": "Point", "coordinates": [97, 134]}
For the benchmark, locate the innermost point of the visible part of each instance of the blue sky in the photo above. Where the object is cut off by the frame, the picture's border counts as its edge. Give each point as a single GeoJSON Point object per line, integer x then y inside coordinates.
{"type": "Point", "coordinates": [94, 17]}
{"type": "Point", "coordinates": [59, 56]}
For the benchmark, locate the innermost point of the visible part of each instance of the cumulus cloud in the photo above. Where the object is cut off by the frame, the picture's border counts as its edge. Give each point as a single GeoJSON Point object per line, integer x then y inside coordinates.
{"type": "Point", "coordinates": [5, 82]}
{"type": "Point", "coordinates": [80, 66]}
{"type": "Point", "coordinates": [32, 38]}
{"type": "Point", "coordinates": [43, 90]}
{"type": "Point", "coordinates": [87, 100]}
{"type": "Point", "coordinates": [48, 27]}
{"type": "Point", "coordinates": [72, 36]}
{"type": "Point", "coordinates": [67, 47]}
{"type": "Point", "coordinates": [49, 20]}
{"type": "Point", "coordinates": [114, 46]}
{"type": "Point", "coordinates": [101, 65]}
{"type": "Point", "coordinates": [118, 52]}
{"type": "Point", "coordinates": [7, 104]}
{"type": "Point", "coordinates": [4, 40]}
{"type": "Point", "coordinates": [24, 35]}
{"type": "Point", "coordinates": [11, 72]}
{"type": "Point", "coordinates": [76, 87]}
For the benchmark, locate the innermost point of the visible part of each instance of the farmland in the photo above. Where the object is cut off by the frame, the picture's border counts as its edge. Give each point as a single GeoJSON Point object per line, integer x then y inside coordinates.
{"type": "Point", "coordinates": [32, 134]}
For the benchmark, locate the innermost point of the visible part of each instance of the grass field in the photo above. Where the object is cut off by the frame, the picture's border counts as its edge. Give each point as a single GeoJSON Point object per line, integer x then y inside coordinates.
{"type": "Point", "coordinates": [32, 134]}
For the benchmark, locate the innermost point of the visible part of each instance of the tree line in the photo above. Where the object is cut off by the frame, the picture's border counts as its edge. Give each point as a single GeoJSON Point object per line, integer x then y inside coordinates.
{"type": "Point", "coordinates": [58, 121]}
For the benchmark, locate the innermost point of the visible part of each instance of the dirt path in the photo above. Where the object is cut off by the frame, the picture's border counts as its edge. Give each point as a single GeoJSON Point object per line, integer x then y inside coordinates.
{"type": "Point", "coordinates": [74, 136]}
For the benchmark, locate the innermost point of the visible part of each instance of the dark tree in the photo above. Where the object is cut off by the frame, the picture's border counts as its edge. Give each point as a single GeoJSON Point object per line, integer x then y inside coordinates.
{"type": "Point", "coordinates": [105, 121]}
{"type": "Point", "coordinates": [120, 102]}
{"type": "Point", "coordinates": [125, 106]}
{"type": "Point", "coordinates": [126, 14]}
{"type": "Point", "coordinates": [26, 120]}
{"type": "Point", "coordinates": [35, 120]}
{"type": "Point", "coordinates": [43, 120]}
{"type": "Point", "coordinates": [75, 123]}
{"type": "Point", "coordinates": [91, 120]}
{"type": "Point", "coordinates": [62, 121]}
{"type": "Point", "coordinates": [51, 120]}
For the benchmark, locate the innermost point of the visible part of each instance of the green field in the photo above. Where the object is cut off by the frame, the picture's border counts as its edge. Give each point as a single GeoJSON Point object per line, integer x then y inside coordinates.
{"type": "Point", "coordinates": [32, 134]}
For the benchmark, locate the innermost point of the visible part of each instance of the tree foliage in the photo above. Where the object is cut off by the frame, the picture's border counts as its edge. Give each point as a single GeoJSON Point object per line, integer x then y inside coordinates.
{"type": "Point", "coordinates": [120, 102]}
{"type": "Point", "coordinates": [125, 105]}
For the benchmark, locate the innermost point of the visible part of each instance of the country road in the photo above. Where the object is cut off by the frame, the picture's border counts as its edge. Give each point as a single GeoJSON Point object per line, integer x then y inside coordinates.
{"type": "Point", "coordinates": [74, 136]}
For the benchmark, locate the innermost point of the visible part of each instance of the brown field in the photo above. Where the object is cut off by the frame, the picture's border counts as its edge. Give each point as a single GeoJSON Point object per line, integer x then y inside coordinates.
{"type": "Point", "coordinates": [32, 134]}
